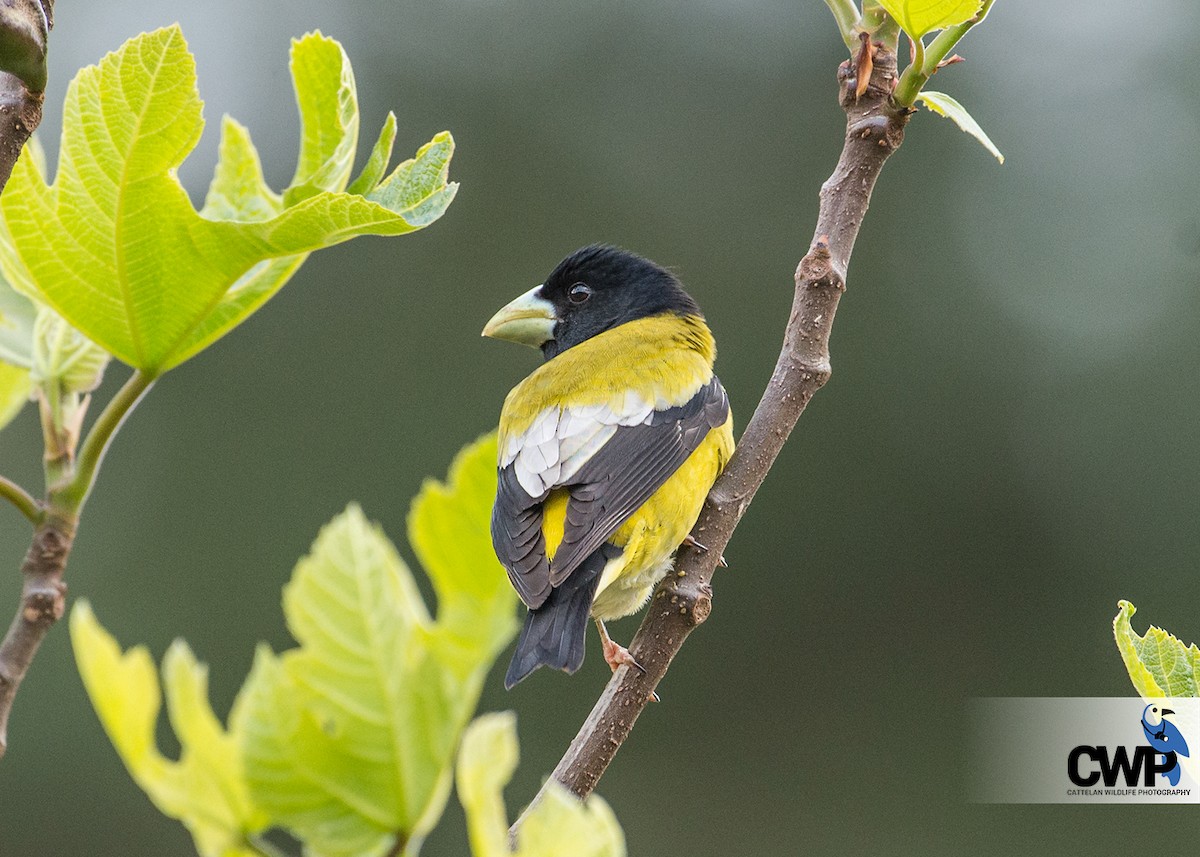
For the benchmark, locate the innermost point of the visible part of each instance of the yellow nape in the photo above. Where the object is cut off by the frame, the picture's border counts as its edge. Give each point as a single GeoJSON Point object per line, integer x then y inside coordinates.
{"type": "Point", "coordinates": [664, 359]}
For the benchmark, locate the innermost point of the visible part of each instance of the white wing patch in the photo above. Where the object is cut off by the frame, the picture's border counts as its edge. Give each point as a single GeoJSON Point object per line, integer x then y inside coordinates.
{"type": "Point", "coordinates": [559, 441]}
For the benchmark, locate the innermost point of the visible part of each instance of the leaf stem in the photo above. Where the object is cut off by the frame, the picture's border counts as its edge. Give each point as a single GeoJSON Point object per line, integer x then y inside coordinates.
{"type": "Point", "coordinates": [919, 52]}
{"type": "Point", "coordinates": [918, 73]}
{"type": "Point", "coordinates": [882, 26]}
{"type": "Point", "coordinates": [846, 13]}
{"type": "Point", "coordinates": [22, 499]}
{"type": "Point", "coordinates": [91, 454]}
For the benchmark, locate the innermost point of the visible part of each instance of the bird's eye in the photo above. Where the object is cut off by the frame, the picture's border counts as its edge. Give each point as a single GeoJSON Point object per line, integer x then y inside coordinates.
{"type": "Point", "coordinates": [579, 293]}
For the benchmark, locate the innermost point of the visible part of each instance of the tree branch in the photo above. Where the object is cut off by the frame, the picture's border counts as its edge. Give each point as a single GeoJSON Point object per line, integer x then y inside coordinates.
{"type": "Point", "coordinates": [68, 482]}
{"type": "Point", "coordinates": [874, 129]}
{"type": "Point", "coordinates": [43, 599]}
{"type": "Point", "coordinates": [846, 14]}
{"type": "Point", "coordinates": [24, 26]}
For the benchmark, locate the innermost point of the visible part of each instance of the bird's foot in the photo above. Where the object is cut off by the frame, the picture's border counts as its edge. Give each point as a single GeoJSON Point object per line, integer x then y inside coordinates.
{"type": "Point", "coordinates": [616, 656]}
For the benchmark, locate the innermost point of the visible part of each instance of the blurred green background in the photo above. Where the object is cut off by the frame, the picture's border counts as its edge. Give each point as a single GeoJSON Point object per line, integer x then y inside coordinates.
{"type": "Point", "coordinates": [1007, 446]}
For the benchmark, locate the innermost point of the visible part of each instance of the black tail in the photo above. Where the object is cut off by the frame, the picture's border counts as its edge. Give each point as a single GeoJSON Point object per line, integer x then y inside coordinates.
{"type": "Point", "coordinates": [554, 633]}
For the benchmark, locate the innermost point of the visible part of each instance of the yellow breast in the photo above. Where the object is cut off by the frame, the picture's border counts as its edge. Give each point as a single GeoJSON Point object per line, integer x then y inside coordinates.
{"type": "Point", "coordinates": [651, 535]}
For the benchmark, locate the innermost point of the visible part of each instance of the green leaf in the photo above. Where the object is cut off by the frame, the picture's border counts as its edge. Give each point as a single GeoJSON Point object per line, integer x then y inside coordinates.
{"type": "Point", "coordinates": [238, 190]}
{"type": "Point", "coordinates": [63, 355]}
{"type": "Point", "coordinates": [17, 315]}
{"type": "Point", "coordinates": [449, 528]}
{"type": "Point", "coordinates": [943, 105]}
{"type": "Point", "coordinates": [1159, 665]}
{"type": "Point", "coordinates": [349, 739]}
{"type": "Point", "coordinates": [205, 789]}
{"type": "Point", "coordinates": [115, 246]}
{"type": "Point", "coordinates": [918, 17]}
{"type": "Point", "coordinates": [377, 163]}
{"type": "Point", "coordinates": [15, 388]}
{"type": "Point", "coordinates": [559, 826]}
{"type": "Point", "coordinates": [328, 102]}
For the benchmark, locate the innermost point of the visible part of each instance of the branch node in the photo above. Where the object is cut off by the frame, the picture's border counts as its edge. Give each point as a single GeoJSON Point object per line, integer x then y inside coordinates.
{"type": "Point", "coordinates": [871, 126]}
{"type": "Point", "coordinates": [45, 605]}
{"type": "Point", "coordinates": [817, 268]}
{"type": "Point", "coordinates": [702, 606]}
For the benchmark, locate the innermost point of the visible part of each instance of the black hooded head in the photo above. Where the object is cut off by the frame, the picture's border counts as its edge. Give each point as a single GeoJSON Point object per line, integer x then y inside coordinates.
{"type": "Point", "coordinates": [599, 287]}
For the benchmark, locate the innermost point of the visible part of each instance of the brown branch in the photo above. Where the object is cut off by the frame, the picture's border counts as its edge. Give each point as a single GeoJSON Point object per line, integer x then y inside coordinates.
{"type": "Point", "coordinates": [874, 129]}
{"type": "Point", "coordinates": [43, 599]}
{"type": "Point", "coordinates": [69, 478]}
{"type": "Point", "coordinates": [24, 27]}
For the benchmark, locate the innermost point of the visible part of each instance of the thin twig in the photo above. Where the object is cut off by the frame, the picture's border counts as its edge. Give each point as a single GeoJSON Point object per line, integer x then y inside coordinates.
{"type": "Point", "coordinates": [22, 499]}
{"type": "Point", "coordinates": [875, 128]}
{"type": "Point", "coordinates": [91, 453]}
{"type": "Point", "coordinates": [847, 15]}
{"type": "Point", "coordinates": [43, 600]}
{"type": "Point", "coordinates": [24, 26]}
{"type": "Point", "coordinates": [43, 595]}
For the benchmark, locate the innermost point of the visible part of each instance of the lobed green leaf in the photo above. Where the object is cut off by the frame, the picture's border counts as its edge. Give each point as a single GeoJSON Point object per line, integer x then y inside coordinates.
{"type": "Point", "coordinates": [943, 105]}
{"type": "Point", "coordinates": [17, 318]}
{"type": "Point", "coordinates": [349, 739]}
{"type": "Point", "coordinates": [918, 17]}
{"type": "Point", "coordinates": [381, 155]}
{"type": "Point", "coordinates": [205, 789]}
{"type": "Point", "coordinates": [328, 102]}
{"type": "Point", "coordinates": [64, 356]}
{"type": "Point", "coordinates": [15, 387]}
{"type": "Point", "coordinates": [115, 245]}
{"type": "Point", "coordinates": [1159, 665]}
{"type": "Point", "coordinates": [559, 826]}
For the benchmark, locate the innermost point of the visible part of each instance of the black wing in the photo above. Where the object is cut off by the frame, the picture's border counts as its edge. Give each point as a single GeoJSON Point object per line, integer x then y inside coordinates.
{"type": "Point", "coordinates": [604, 492]}
{"type": "Point", "coordinates": [518, 540]}
{"type": "Point", "coordinates": [634, 464]}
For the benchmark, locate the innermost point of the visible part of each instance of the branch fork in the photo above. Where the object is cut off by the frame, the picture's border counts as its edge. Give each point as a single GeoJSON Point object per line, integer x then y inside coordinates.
{"type": "Point", "coordinates": [69, 477]}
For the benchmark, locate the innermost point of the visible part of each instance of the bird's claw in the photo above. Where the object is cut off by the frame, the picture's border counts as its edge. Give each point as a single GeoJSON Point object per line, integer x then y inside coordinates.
{"type": "Point", "coordinates": [692, 543]}
{"type": "Point", "coordinates": [616, 656]}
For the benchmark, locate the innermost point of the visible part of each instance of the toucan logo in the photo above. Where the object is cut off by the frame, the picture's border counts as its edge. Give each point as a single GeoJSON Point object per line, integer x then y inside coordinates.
{"type": "Point", "coordinates": [1088, 765]}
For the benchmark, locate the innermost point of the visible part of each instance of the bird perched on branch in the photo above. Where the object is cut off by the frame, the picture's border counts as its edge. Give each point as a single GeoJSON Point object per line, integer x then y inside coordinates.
{"type": "Point", "coordinates": [607, 450]}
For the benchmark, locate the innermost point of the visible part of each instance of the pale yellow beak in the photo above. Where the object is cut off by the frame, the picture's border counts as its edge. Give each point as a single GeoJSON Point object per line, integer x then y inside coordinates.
{"type": "Point", "coordinates": [529, 320]}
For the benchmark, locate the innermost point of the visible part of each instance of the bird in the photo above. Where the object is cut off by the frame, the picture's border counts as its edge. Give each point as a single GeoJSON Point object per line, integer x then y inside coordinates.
{"type": "Point", "coordinates": [606, 451]}
{"type": "Point", "coordinates": [1164, 736]}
